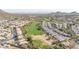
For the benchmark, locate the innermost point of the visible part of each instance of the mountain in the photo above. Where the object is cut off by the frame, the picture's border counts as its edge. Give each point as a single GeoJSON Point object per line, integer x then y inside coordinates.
{"type": "Point", "coordinates": [64, 13]}
{"type": "Point", "coordinates": [3, 14]}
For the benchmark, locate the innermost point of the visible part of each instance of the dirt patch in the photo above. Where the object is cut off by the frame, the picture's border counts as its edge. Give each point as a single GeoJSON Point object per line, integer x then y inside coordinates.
{"type": "Point", "coordinates": [42, 38]}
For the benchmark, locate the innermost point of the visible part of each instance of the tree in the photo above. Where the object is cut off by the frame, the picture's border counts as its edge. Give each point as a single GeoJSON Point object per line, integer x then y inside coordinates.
{"type": "Point", "coordinates": [16, 18]}
{"type": "Point", "coordinates": [29, 39]}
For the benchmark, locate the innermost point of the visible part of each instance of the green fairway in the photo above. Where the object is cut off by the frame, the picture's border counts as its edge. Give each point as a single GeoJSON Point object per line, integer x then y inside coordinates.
{"type": "Point", "coordinates": [40, 44]}
{"type": "Point", "coordinates": [33, 28]}
{"type": "Point", "coordinates": [37, 43]}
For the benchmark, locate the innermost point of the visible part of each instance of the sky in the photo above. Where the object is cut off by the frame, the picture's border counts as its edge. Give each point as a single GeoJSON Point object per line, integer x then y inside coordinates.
{"type": "Point", "coordinates": [28, 10]}
{"type": "Point", "coordinates": [41, 5]}
{"type": "Point", "coordinates": [36, 10]}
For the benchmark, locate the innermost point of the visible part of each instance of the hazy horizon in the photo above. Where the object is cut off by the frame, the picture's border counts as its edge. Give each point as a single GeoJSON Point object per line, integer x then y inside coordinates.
{"type": "Point", "coordinates": [38, 10]}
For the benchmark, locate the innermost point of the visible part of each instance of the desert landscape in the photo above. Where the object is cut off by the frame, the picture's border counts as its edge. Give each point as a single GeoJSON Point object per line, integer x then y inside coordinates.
{"type": "Point", "coordinates": [55, 30]}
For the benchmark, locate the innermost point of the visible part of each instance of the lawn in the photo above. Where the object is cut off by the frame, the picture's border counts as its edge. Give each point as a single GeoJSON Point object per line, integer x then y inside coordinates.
{"type": "Point", "coordinates": [33, 28]}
